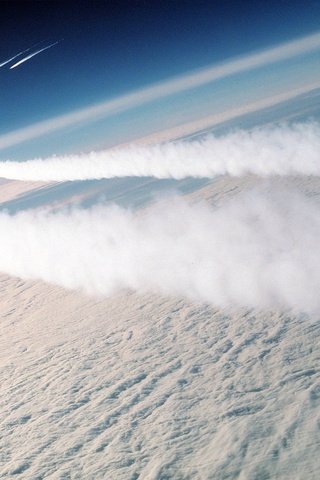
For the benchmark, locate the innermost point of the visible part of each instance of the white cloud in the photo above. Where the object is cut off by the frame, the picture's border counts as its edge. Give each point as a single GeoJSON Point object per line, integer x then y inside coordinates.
{"type": "Point", "coordinates": [166, 88]}
{"type": "Point", "coordinates": [260, 249]}
{"type": "Point", "coordinates": [274, 150]}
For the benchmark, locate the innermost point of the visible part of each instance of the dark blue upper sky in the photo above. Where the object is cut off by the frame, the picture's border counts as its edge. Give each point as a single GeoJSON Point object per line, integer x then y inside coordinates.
{"type": "Point", "coordinates": [110, 48]}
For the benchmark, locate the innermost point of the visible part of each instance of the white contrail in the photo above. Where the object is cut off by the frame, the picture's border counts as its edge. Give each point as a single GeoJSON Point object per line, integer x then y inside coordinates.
{"type": "Point", "coordinates": [168, 87]}
{"type": "Point", "coordinates": [260, 249]}
{"type": "Point", "coordinates": [25, 59]}
{"type": "Point", "coordinates": [273, 150]}
{"type": "Point", "coordinates": [14, 57]}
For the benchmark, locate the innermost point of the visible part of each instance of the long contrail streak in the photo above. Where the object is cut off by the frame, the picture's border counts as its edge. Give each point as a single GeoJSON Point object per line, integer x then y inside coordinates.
{"type": "Point", "coordinates": [277, 150]}
{"type": "Point", "coordinates": [25, 59]}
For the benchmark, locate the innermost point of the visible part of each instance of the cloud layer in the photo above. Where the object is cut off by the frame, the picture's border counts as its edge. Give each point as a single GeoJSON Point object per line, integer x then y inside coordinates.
{"type": "Point", "coordinates": [277, 150]}
{"type": "Point", "coordinates": [259, 250]}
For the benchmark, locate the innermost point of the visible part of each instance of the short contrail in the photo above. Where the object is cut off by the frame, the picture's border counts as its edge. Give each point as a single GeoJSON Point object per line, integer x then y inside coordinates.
{"type": "Point", "coordinates": [25, 59]}
{"type": "Point", "coordinates": [15, 56]}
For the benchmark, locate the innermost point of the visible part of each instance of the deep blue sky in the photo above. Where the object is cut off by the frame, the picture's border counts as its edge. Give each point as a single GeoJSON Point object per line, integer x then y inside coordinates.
{"type": "Point", "coordinates": [110, 48]}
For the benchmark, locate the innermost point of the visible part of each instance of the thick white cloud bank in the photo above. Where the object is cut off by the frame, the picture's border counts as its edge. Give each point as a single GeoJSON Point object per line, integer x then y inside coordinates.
{"type": "Point", "coordinates": [260, 249]}
{"type": "Point", "coordinates": [276, 150]}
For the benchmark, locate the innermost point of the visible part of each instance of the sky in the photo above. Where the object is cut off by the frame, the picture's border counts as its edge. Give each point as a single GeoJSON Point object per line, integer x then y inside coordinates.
{"type": "Point", "coordinates": [109, 50]}
{"type": "Point", "coordinates": [229, 220]}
